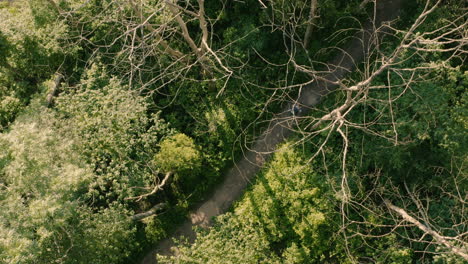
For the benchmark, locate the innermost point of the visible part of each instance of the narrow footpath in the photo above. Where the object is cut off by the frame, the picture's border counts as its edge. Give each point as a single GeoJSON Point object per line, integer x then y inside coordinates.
{"type": "Point", "coordinates": [238, 178]}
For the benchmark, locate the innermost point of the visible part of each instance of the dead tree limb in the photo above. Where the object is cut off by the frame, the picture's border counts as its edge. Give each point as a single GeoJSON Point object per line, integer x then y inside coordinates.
{"type": "Point", "coordinates": [443, 240]}
{"type": "Point", "coordinates": [148, 213]}
{"type": "Point", "coordinates": [199, 51]}
{"type": "Point", "coordinates": [55, 89]}
{"type": "Point", "coordinates": [310, 23]}
{"type": "Point", "coordinates": [174, 53]}
{"type": "Point", "coordinates": [155, 189]}
{"type": "Point", "coordinates": [183, 26]}
{"type": "Point", "coordinates": [364, 3]}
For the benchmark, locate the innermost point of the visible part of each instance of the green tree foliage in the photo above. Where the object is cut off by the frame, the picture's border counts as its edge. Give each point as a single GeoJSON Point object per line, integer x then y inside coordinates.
{"type": "Point", "coordinates": [413, 146]}
{"type": "Point", "coordinates": [178, 154]}
{"type": "Point", "coordinates": [230, 241]}
{"type": "Point", "coordinates": [410, 148]}
{"type": "Point", "coordinates": [33, 46]}
{"type": "Point", "coordinates": [114, 132]}
{"type": "Point", "coordinates": [283, 218]}
{"type": "Point", "coordinates": [429, 155]}
{"type": "Point", "coordinates": [137, 102]}
{"type": "Point", "coordinates": [288, 216]}
{"type": "Point", "coordinates": [43, 215]}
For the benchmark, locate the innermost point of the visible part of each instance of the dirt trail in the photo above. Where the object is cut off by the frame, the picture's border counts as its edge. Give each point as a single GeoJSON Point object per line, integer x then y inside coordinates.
{"type": "Point", "coordinates": [238, 178]}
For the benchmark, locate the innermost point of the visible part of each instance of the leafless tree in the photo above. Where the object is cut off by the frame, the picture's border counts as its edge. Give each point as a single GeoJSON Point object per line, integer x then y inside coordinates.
{"type": "Point", "coordinates": [150, 54]}
{"type": "Point", "coordinates": [370, 58]}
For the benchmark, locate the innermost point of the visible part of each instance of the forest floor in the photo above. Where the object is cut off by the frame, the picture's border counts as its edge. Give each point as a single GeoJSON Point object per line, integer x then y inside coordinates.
{"type": "Point", "coordinates": [281, 126]}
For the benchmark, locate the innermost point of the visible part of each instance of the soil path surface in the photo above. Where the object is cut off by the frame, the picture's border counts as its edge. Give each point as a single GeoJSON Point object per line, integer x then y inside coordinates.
{"type": "Point", "coordinates": [238, 178]}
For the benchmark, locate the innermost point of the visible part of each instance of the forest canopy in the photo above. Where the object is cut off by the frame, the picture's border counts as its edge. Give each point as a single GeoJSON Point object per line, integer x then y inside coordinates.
{"type": "Point", "coordinates": [118, 118]}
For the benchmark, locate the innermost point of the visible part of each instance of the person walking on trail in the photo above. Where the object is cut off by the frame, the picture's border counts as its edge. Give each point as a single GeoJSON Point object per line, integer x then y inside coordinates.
{"type": "Point", "coordinates": [295, 109]}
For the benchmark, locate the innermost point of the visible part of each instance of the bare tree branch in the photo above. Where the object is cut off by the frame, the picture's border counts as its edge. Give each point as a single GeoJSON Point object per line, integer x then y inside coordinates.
{"type": "Point", "coordinates": [155, 189]}
{"type": "Point", "coordinates": [443, 240]}
{"type": "Point", "coordinates": [183, 26]}
{"type": "Point", "coordinates": [310, 22]}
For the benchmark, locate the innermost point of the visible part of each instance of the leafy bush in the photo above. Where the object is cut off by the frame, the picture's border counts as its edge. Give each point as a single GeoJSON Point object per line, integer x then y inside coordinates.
{"type": "Point", "coordinates": [113, 133]}
{"type": "Point", "coordinates": [42, 215]}
{"type": "Point", "coordinates": [283, 218]}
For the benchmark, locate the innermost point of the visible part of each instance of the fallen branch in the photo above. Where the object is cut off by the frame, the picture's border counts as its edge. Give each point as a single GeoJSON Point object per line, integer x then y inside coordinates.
{"type": "Point", "coordinates": [54, 91]}
{"type": "Point", "coordinates": [148, 213]}
{"type": "Point", "coordinates": [155, 189]}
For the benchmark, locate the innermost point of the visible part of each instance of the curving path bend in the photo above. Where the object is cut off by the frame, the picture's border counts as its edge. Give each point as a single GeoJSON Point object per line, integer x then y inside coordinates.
{"type": "Point", "coordinates": [238, 178]}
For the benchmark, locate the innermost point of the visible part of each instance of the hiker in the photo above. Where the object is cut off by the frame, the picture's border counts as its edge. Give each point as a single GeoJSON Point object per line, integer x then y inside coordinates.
{"type": "Point", "coordinates": [295, 109]}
